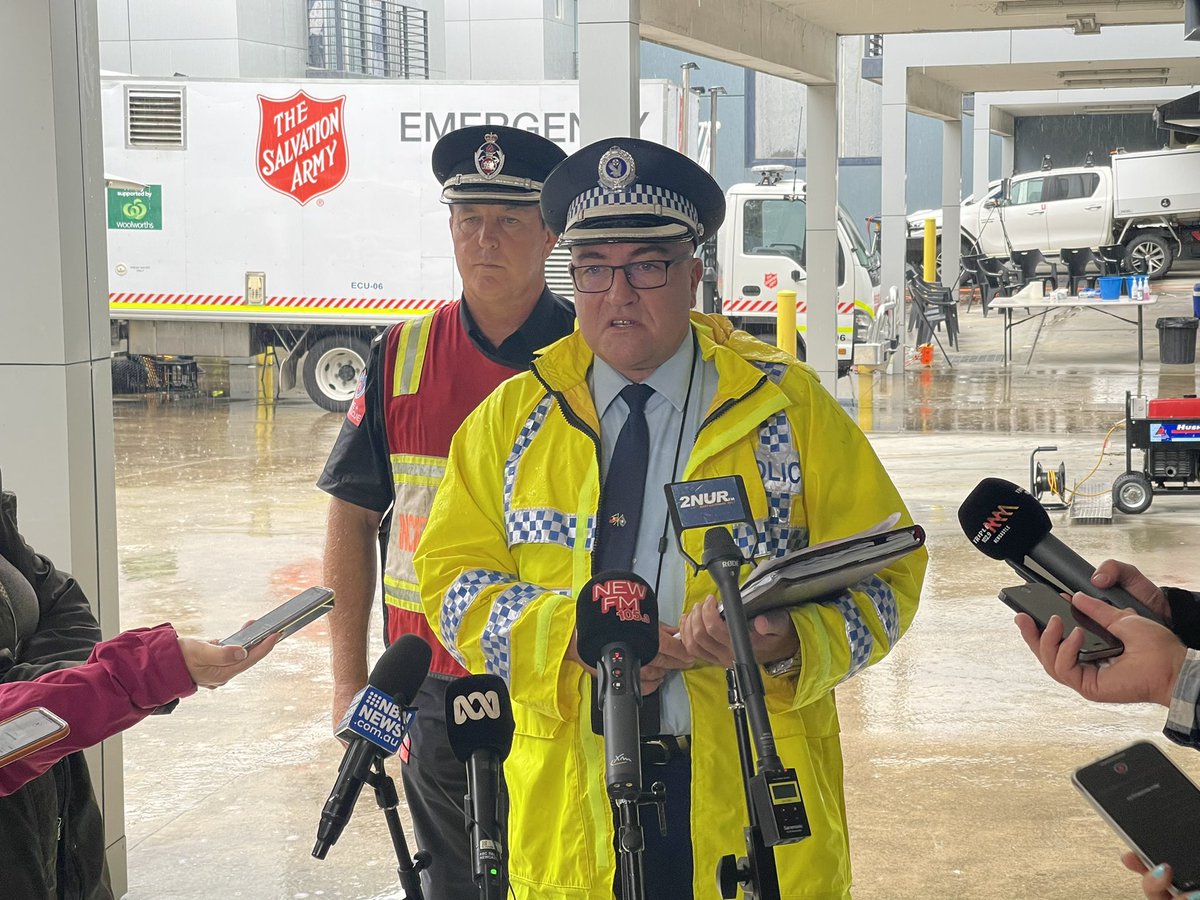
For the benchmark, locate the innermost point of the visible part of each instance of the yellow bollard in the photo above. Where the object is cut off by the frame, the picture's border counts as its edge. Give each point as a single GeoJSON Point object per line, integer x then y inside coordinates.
{"type": "Point", "coordinates": [265, 365]}
{"type": "Point", "coordinates": [785, 321]}
{"type": "Point", "coordinates": [930, 251]}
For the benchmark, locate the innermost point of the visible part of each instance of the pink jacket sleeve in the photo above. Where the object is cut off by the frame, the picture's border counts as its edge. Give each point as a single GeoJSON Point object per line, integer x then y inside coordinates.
{"type": "Point", "coordinates": [123, 681]}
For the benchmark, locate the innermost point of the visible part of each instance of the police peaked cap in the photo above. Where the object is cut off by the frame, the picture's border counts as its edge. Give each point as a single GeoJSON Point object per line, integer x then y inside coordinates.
{"type": "Point", "coordinates": [493, 164]}
{"type": "Point", "coordinates": [629, 190]}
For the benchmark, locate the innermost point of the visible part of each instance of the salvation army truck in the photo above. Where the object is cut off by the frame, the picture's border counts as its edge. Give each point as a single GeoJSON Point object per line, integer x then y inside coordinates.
{"type": "Point", "coordinates": [300, 216]}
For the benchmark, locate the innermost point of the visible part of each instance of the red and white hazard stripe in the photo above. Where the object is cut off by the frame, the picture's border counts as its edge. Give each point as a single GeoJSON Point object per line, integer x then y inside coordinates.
{"type": "Point", "coordinates": [293, 303]}
{"type": "Point", "coordinates": [758, 305]}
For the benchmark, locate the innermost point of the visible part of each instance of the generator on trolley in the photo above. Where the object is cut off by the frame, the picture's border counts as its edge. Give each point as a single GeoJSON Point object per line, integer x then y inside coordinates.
{"type": "Point", "coordinates": [1167, 431]}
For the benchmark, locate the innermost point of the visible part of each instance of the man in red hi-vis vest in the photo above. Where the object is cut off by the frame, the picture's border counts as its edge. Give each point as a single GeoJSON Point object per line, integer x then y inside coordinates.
{"type": "Point", "coordinates": [423, 378]}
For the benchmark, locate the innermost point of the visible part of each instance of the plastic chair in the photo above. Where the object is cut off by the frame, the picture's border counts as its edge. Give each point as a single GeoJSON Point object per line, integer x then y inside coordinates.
{"type": "Point", "coordinates": [997, 278]}
{"type": "Point", "coordinates": [1029, 261]}
{"type": "Point", "coordinates": [1077, 260]}
{"type": "Point", "coordinates": [1111, 259]}
{"type": "Point", "coordinates": [933, 306]}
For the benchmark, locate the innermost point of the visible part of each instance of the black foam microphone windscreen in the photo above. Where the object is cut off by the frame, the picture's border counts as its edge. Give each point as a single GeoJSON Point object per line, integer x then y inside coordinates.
{"type": "Point", "coordinates": [617, 607]}
{"type": "Point", "coordinates": [479, 716]}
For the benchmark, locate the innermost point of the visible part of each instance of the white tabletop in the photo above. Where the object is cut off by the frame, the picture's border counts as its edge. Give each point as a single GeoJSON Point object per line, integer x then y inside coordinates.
{"type": "Point", "coordinates": [1064, 302]}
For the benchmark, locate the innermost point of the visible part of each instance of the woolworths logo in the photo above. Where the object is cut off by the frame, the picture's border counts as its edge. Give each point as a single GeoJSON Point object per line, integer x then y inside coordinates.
{"type": "Point", "coordinates": [135, 209]}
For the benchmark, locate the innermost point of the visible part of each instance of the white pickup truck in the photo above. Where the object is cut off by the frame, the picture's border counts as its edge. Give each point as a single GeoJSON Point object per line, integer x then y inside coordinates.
{"type": "Point", "coordinates": [1148, 203]}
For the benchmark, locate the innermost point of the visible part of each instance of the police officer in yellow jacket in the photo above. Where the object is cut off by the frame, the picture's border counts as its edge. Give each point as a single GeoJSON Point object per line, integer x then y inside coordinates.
{"type": "Point", "coordinates": [527, 513]}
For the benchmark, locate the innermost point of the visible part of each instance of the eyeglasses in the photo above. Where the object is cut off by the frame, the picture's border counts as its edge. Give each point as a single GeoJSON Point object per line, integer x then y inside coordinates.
{"type": "Point", "coordinates": [644, 274]}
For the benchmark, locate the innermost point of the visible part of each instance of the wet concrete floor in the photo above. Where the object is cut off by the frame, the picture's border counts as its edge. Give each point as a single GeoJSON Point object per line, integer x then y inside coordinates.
{"type": "Point", "coordinates": [958, 748]}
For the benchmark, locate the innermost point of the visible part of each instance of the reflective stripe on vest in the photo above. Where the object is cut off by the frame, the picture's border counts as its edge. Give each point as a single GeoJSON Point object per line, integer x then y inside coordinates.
{"type": "Point", "coordinates": [410, 356]}
{"type": "Point", "coordinates": [415, 480]}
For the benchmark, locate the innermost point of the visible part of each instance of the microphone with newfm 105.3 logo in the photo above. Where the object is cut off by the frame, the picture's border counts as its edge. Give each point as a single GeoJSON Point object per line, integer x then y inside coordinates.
{"type": "Point", "coordinates": [373, 728]}
{"type": "Point", "coordinates": [479, 725]}
{"type": "Point", "coordinates": [1008, 523]}
{"type": "Point", "coordinates": [774, 804]}
{"type": "Point", "coordinates": [616, 620]}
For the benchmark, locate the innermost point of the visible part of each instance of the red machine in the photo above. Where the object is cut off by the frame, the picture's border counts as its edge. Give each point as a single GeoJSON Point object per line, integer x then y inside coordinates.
{"type": "Point", "coordinates": [1168, 434]}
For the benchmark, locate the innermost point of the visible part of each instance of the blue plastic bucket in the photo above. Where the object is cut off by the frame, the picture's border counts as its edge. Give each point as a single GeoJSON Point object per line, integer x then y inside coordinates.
{"type": "Point", "coordinates": [1110, 287]}
{"type": "Point", "coordinates": [1196, 300]}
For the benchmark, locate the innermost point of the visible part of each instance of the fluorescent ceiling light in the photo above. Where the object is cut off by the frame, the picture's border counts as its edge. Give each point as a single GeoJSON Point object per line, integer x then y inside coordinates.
{"type": "Point", "coordinates": [1114, 82]}
{"type": "Point", "coordinates": [1032, 7]}
{"type": "Point", "coordinates": [1115, 108]}
{"type": "Point", "coordinates": [1184, 123]}
{"type": "Point", "coordinates": [1157, 71]}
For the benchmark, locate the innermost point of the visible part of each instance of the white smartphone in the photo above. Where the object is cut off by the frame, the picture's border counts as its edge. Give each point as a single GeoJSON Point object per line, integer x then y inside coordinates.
{"type": "Point", "coordinates": [1153, 805]}
{"type": "Point", "coordinates": [285, 619]}
{"type": "Point", "coordinates": [29, 731]}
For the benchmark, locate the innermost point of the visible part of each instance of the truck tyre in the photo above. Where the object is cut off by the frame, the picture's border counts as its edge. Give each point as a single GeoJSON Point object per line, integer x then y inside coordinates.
{"type": "Point", "coordinates": [1132, 493]}
{"type": "Point", "coordinates": [1149, 254]}
{"type": "Point", "coordinates": [332, 367]}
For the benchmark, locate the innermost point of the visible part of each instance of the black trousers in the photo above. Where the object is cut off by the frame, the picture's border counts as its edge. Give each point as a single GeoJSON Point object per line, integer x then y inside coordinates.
{"type": "Point", "coordinates": [667, 860]}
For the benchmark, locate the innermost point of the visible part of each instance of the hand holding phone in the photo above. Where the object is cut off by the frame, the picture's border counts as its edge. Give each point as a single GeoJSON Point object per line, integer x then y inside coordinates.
{"type": "Point", "coordinates": [1150, 803]}
{"type": "Point", "coordinates": [1040, 602]}
{"type": "Point", "coordinates": [28, 732]}
{"type": "Point", "coordinates": [285, 619]}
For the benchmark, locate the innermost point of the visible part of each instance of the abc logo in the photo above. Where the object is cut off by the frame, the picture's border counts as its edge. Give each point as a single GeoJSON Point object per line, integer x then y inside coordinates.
{"type": "Point", "coordinates": [475, 706]}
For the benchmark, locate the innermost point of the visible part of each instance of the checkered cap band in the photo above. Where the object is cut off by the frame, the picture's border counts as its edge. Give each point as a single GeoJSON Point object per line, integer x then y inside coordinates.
{"type": "Point", "coordinates": [636, 200]}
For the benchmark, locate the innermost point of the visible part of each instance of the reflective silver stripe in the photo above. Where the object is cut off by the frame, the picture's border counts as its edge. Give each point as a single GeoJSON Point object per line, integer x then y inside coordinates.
{"type": "Point", "coordinates": [462, 593]}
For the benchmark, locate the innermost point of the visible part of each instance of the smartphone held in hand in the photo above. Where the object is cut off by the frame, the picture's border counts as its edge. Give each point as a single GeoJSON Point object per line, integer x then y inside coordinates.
{"type": "Point", "coordinates": [1150, 803]}
{"type": "Point", "coordinates": [285, 619]}
{"type": "Point", "coordinates": [1040, 602]}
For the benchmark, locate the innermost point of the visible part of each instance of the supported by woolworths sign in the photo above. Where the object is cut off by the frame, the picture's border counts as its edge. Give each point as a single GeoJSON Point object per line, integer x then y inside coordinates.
{"type": "Point", "coordinates": [135, 210]}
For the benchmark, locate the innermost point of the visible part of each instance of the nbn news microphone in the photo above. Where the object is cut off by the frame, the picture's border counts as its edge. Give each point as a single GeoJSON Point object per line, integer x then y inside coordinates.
{"type": "Point", "coordinates": [373, 727]}
{"type": "Point", "coordinates": [479, 725]}
{"type": "Point", "coordinates": [1006, 522]}
{"type": "Point", "coordinates": [616, 618]}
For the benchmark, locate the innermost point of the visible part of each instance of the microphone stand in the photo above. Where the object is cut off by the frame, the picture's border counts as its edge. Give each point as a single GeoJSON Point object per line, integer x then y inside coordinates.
{"type": "Point", "coordinates": [756, 872]}
{"type": "Point", "coordinates": [632, 844]}
{"type": "Point", "coordinates": [408, 869]}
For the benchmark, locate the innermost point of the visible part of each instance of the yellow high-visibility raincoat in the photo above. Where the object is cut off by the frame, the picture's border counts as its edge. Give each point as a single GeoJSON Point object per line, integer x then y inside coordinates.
{"type": "Point", "coordinates": [508, 546]}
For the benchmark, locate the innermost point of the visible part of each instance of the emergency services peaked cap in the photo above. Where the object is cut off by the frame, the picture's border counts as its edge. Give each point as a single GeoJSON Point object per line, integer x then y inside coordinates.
{"type": "Point", "coordinates": [493, 164]}
{"type": "Point", "coordinates": [626, 189]}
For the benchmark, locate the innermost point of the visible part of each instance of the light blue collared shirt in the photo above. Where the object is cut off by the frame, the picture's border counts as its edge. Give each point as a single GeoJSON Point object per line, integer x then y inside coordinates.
{"type": "Point", "coordinates": [670, 425]}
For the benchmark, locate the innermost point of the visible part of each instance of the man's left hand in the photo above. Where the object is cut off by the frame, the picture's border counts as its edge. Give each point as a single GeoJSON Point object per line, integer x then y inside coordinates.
{"type": "Point", "coordinates": [706, 636]}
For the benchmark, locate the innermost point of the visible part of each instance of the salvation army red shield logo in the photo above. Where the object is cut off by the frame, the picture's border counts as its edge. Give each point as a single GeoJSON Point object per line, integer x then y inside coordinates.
{"type": "Point", "coordinates": [771, 280]}
{"type": "Point", "coordinates": [302, 145]}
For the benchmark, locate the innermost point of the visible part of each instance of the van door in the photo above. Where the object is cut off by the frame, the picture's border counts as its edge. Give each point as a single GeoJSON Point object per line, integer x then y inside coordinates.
{"type": "Point", "coordinates": [1077, 212]}
{"type": "Point", "coordinates": [769, 256]}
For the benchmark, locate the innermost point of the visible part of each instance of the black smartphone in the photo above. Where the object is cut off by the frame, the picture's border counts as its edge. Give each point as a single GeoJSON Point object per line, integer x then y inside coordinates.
{"type": "Point", "coordinates": [287, 618]}
{"type": "Point", "coordinates": [1150, 803]}
{"type": "Point", "coordinates": [1041, 602]}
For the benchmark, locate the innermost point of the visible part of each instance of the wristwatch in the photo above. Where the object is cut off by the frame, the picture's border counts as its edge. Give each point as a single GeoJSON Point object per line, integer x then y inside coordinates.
{"type": "Point", "coordinates": [783, 666]}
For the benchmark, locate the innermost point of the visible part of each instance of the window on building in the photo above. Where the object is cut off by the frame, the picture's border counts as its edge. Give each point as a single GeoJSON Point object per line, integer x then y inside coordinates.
{"type": "Point", "coordinates": [371, 38]}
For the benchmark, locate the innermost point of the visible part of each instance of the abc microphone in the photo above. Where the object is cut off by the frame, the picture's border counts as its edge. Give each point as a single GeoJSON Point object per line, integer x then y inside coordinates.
{"type": "Point", "coordinates": [1008, 523]}
{"type": "Point", "coordinates": [373, 728]}
{"type": "Point", "coordinates": [616, 617]}
{"type": "Point", "coordinates": [479, 724]}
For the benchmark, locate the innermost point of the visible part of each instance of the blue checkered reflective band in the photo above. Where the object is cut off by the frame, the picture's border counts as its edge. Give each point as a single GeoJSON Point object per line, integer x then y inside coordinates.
{"type": "Point", "coordinates": [773, 371]}
{"type": "Point", "coordinates": [497, 633]}
{"type": "Point", "coordinates": [858, 636]}
{"type": "Point", "coordinates": [640, 199]}
{"type": "Point", "coordinates": [546, 526]}
{"type": "Point", "coordinates": [462, 593]}
{"type": "Point", "coordinates": [779, 468]}
{"type": "Point", "coordinates": [883, 598]}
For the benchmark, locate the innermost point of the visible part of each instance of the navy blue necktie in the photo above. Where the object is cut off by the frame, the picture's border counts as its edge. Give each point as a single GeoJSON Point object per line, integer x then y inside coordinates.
{"type": "Point", "coordinates": [621, 513]}
{"type": "Point", "coordinates": [625, 485]}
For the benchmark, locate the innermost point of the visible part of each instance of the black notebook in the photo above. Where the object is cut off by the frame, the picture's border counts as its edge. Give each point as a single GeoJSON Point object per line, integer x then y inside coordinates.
{"type": "Point", "coordinates": [817, 573]}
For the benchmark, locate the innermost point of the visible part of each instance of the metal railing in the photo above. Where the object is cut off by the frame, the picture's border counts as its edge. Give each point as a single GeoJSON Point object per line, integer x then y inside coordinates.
{"type": "Point", "coordinates": [372, 38]}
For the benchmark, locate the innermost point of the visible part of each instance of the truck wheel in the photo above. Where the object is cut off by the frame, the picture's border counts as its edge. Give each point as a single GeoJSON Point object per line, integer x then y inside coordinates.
{"type": "Point", "coordinates": [1132, 493]}
{"type": "Point", "coordinates": [332, 366]}
{"type": "Point", "coordinates": [1149, 254]}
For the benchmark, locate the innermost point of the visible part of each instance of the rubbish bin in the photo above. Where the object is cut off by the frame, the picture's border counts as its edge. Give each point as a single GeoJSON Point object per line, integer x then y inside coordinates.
{"type": "Point", "coordinates": [1177, 340]}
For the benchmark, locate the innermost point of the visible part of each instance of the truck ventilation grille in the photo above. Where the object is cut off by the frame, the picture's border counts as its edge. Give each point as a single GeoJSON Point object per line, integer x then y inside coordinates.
{"type": "Point", "coordinates": [154, 117]}
{"type": "Point", "coordinates": [558, 272]}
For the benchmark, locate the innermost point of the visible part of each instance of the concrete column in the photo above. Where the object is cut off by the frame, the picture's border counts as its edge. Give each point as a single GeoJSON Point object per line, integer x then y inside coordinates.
{"type": "Point", "coordinates": [821, 247]}
{"type": "Point", "coordinates": [56, 445]}
{"type": "Point", "coordinates": [1006, 155]}
{"type": "Point", "coordinates": [894, 202]}
{"type": "Point", "coordinates": [951, 198]}
{"type": "Point", "coordinates": [609, 69]}
{"type": "Point", "coordinates": [981, 148]}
